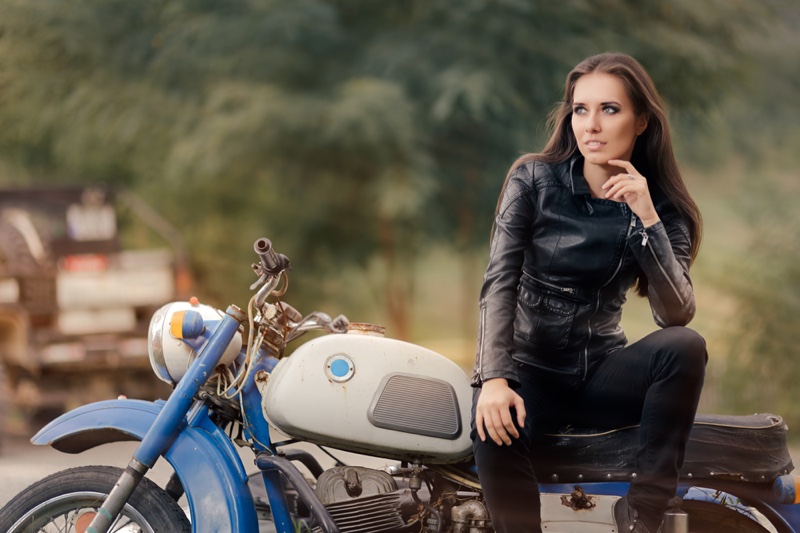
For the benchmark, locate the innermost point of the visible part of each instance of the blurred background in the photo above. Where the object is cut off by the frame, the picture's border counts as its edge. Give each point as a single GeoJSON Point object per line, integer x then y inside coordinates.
{"type": "Point", "coordinates": [369, 141]}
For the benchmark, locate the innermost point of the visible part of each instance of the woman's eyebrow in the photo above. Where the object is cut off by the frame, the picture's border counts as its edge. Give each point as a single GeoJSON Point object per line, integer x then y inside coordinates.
{"type": "Point", "coordinates": [611, 102]}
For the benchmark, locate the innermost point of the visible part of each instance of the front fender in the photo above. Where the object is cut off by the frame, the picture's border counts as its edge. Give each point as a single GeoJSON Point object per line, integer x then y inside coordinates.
{"type": "Point", "coordinates": [202, 456]}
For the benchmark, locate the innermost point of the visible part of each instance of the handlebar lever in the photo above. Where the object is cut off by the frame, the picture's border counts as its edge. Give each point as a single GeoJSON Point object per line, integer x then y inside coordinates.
{"type": "Point", "coordinates": [261, 279]}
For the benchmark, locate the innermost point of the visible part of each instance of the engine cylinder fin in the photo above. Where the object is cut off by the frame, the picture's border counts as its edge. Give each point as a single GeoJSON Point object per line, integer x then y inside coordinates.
{"type": "Point", "coordinates": [371, 514]}
{"type": "Point", "coordinates": [332, 485]}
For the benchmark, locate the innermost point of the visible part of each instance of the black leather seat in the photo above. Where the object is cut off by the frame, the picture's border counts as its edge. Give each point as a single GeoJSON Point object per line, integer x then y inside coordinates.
{"type": "Point", "coordinates": [750, 448]}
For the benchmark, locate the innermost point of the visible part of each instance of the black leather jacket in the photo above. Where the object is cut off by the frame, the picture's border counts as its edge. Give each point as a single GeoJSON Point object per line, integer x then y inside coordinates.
{"type": "Point", "coordinates": [561, 263]}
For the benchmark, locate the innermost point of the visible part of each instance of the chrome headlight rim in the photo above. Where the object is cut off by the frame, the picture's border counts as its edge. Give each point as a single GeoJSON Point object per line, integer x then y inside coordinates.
{"type": "Point", "coordinates": [170, 354]}
{"type": "Point", "coordinates": [155, 343]}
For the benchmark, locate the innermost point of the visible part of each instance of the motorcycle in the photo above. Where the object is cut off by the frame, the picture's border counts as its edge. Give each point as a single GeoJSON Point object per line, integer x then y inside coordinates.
{"type": "Point", "coordinates": [355, 390]}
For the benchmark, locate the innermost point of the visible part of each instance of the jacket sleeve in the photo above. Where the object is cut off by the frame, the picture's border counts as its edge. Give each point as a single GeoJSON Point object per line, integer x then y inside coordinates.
{"type": "Point", "coordinates": [664, 253]}
{"type": "Point", "coordinates": [498, 297]}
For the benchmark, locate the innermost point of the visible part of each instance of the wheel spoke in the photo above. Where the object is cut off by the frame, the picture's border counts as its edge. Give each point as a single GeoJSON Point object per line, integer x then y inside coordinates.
{"type": "Point", "coordinates": [68, 501]}
{"type": "Point", "coordinates": [69, 515]}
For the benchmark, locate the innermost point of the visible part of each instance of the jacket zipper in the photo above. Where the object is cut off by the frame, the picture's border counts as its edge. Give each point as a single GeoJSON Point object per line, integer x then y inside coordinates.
{"type": "Point", "coordinates": [645, 239]}
{"type": "Point", "coordinates": [480, 346]}
{"type": "Point", "coordinates": [597, 304]}
{"type": "Point", "coordinates": [568, 290]}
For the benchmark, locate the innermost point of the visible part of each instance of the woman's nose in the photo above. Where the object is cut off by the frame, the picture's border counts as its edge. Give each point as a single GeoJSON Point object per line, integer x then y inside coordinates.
{"type": "Point", "coordinates": [592, 124]}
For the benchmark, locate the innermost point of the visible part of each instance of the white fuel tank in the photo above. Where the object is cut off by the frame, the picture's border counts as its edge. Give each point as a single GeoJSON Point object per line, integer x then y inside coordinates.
{"type": "Point", "coordinates": [372, 395]}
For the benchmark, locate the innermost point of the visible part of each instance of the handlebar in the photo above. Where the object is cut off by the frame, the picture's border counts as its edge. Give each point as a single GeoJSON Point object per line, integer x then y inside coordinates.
{"type": "Point", "coordinates": [318, 321]}
{"type": "Point", "coordinates": [271, 261]}
{"type": "Point", "coordinates": [270, 270]}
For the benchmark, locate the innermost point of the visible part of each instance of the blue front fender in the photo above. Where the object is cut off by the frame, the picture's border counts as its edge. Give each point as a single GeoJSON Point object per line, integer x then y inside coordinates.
{"type": "Point", "coordinates": [202, 456]}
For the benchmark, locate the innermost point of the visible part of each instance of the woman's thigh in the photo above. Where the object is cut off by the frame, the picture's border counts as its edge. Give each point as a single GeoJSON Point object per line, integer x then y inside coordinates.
{"type": "Point", "coordinates": [617, 391]}
{"type": "Point", "coordinates": [546, 402]}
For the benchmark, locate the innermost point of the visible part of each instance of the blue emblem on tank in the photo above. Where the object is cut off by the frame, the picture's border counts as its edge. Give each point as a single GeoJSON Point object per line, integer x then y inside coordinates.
{"type": "Point", "coordinates": [339, 368]}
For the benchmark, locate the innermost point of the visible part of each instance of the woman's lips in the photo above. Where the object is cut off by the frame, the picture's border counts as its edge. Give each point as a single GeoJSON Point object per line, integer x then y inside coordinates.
{"type": "Point", "coordinates": [594, 146]}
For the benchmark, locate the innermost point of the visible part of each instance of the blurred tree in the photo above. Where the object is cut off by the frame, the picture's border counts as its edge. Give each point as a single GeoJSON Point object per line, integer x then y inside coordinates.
{"type": "Point", "coordinates": [251, 109]}
{"type": "Point", "coordinates": [762, 356]}
{"type": "Point", "coordinates": [345, 130]}
{"type": "Point", "coordinates": [485, 74]}
{"type": "Point", "coordinates": [764, 346]}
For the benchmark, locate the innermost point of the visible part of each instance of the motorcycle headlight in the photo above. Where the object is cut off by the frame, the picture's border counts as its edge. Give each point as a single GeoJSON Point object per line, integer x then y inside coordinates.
{"type": "Point", "coordinates": [170, 354]}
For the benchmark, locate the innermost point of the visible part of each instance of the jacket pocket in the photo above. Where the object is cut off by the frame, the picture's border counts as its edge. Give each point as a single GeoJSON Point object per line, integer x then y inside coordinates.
{"type": "Point", "coordinates": [542, 317]}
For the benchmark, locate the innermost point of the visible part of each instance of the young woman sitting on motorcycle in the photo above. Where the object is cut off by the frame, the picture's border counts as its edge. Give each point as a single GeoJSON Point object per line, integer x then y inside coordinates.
{"type": "Point", "coordinates": [601, 209]}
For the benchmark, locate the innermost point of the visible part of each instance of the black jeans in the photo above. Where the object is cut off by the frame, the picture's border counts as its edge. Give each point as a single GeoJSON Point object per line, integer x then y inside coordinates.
{"type": "Point", "coordinates": [655, 382]}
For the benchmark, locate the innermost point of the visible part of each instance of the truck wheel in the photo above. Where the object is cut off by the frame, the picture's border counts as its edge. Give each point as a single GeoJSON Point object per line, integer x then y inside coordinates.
{"type": "Point", "coordinates": [68, 500]}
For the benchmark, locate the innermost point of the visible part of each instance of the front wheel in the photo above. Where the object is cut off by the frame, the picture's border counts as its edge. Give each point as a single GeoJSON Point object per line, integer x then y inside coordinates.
{"type": "Point", "coordinates": [68, 500]}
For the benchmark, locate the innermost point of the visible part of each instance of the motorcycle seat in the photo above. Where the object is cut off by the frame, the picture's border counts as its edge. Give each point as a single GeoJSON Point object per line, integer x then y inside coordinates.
{"type": "Point", "coordinates": [751, 448]}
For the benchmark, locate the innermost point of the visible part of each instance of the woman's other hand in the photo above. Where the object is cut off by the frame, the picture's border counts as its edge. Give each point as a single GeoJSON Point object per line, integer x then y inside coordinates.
{"type": "Point", "coordinates": [631, 187]}
{"type": "Point", "coordinates": [493, 412]}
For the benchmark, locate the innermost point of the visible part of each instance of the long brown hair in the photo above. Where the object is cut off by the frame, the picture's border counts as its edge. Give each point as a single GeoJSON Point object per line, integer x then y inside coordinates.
{"type": "Point", "coordinates": [652, 155]}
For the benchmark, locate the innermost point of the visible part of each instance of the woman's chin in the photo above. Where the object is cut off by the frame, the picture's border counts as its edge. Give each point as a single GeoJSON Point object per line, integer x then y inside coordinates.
{"type": "Point", "coordinates": [602, 158]}
{"type": "Point", "coordinates": [595, 158]}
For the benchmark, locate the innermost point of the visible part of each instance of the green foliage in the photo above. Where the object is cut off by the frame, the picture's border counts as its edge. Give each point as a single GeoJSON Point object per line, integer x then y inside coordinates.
{"type": "Point", "coordinates": [349, 132]}
{"type": "Point", "coordinates": [762, 361]}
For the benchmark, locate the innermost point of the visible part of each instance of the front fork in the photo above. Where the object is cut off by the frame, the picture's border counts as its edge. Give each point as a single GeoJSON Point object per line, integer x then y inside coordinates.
{"type": "Point", "coordinates": [167, 424]}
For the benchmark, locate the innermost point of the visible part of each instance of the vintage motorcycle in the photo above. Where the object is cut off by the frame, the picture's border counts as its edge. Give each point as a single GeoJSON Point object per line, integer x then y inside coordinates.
{"type": "Point", "coordinates": [357, 391]}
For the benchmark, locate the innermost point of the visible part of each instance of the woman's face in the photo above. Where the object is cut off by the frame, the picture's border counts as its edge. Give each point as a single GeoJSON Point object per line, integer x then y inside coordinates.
{"type": "Point", "coordinates": [603, 119]}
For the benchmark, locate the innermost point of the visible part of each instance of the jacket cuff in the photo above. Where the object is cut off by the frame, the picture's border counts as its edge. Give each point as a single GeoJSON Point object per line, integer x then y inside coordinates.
{"type": "Point", "coordinates": [478, 379]}
{"type": "Point", "coordinates": [641, 235]}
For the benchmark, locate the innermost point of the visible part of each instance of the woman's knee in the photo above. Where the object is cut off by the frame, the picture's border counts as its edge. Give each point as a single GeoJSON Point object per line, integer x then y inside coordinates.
{"type": "Point", "coordinates": [687, 340]}
{"type": "Point", "coordinates": [495, 461]}
{"type": "Point", "coordinates": [688, 349]}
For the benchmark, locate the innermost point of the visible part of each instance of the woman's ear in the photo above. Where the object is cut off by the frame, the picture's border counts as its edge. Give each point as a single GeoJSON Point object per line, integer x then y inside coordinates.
{"type": "Point", "coordinates": [641, 123]}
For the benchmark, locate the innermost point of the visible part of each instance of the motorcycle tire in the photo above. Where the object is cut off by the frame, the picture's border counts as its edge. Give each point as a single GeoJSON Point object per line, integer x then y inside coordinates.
{"type": "Point", "coordinates": [707, 517]}
{"type": "Point", "coordinates": [67, 500]}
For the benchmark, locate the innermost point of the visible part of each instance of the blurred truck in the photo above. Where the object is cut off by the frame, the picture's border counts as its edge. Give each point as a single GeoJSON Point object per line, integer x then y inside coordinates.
{"type": "Point", "coordinates": [74, 304]}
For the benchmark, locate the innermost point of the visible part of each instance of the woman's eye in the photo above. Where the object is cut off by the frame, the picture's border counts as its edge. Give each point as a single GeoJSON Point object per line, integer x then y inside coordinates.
{"type": "Point", "coordinates": [579, 110]}
{"type": "Point", "coordinates": [610, 110]}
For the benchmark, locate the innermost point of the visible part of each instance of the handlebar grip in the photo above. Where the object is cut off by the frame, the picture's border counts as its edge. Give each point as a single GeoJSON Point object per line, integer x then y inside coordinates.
{"type": "Point", "coordinates": [272, 261]}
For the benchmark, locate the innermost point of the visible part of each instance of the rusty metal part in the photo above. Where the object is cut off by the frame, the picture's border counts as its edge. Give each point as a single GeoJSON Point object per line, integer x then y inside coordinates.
{"type": "Point", "coordinates": [578, 500]}
{"type": "Point", "coordinates": [470, 516]}
{"type": "Point", "coordinates": [362, 328]}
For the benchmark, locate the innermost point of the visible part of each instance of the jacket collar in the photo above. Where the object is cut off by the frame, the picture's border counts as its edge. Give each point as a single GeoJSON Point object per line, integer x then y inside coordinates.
{"type": "Point", "coordinates": [576, 179]}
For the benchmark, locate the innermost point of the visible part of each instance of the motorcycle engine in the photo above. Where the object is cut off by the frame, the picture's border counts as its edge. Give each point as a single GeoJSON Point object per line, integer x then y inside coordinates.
{"type": "Point", "coordinates": [362, 500]}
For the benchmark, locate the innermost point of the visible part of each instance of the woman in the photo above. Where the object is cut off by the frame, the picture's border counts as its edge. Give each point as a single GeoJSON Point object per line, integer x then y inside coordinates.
{"type": "Point", "coordinates": [601, 209]}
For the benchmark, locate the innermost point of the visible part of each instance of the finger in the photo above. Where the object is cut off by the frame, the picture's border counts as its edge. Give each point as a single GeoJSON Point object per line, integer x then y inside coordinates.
{"type": "Point", "coordinates": [622, 192]}
{"type": "Point", "coordinates": [615, 179]}
{"type": "Point", "coordinates": [519, 405]}
{"type": "Point", "coordinates": [616, 189]}
{"type": "Point", "coordinates": [479, 426]}
{"type": "Point", "coordinates": [627, 165]}
{"type": "Point", "coordinates": [493, 434]}
{"type": "Point", "coordinates": [487, 428]}
{"type": "Point", "coordinates": [624, 184]}
{"type": "Point", "coordinates": [498, 432]}
{"type": "Point", "coordinates": [508, 423]}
